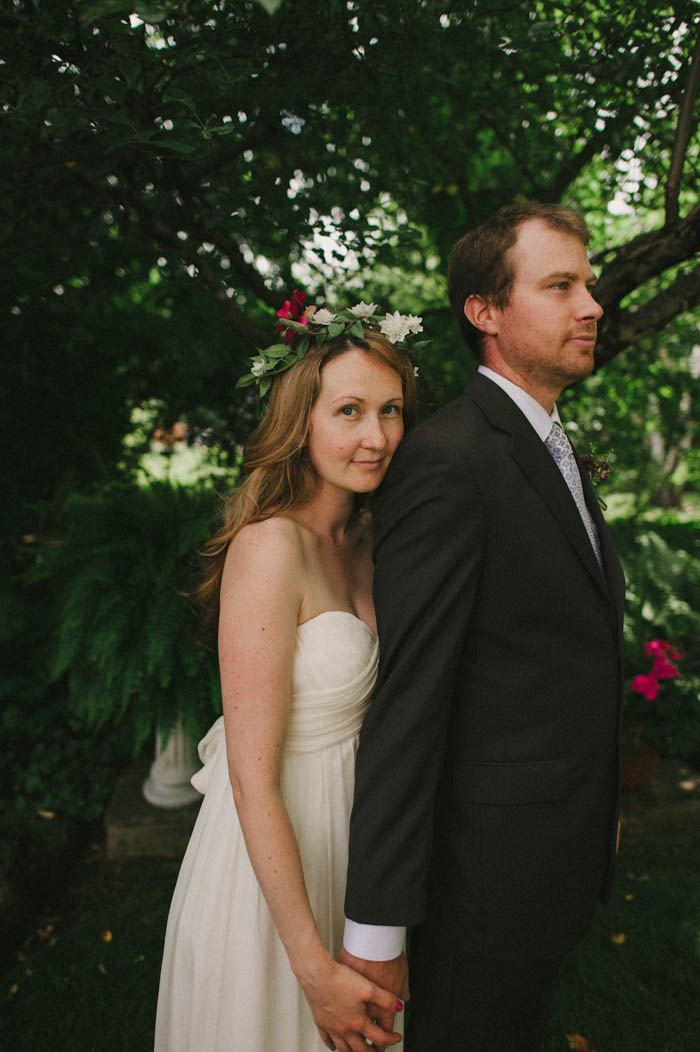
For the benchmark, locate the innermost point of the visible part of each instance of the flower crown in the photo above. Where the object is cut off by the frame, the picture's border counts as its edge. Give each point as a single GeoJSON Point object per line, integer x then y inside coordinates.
{"type": "Point", "coordinates": [304, 325]}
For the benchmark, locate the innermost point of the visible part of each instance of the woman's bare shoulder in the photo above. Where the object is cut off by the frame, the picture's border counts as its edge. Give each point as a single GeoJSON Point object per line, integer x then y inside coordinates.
{"type": "Point", "coordinates": [277, 531]}
{"type": "Point", "coordinates": [271, 547]}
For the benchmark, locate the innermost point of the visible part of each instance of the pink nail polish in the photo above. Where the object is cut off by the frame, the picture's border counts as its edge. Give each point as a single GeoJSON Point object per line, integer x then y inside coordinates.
{"type": "Point", "coordinates": [398, 1006]}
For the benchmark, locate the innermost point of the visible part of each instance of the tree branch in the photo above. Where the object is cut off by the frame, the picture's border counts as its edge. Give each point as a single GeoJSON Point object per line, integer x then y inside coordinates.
{"type": "Point", "coordinates": [680, 143]}
{"type": "Point", "coordinates": [568, 172]}
{"type": "Point", "coordinates": [647, 256]}
{"type": "Point", "coordinates": [628, 326]}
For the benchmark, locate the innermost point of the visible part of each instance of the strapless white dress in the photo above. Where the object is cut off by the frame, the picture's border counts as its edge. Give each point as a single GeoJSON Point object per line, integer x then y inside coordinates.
{"type": "Point", "coordinates": [226, 984]}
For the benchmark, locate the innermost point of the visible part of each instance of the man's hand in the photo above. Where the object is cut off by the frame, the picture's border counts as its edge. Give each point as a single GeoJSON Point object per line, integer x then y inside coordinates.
{"type": "Point", "coordinates": [346, 1005]}
{"type": "Point", "coordinates": [390, 975]}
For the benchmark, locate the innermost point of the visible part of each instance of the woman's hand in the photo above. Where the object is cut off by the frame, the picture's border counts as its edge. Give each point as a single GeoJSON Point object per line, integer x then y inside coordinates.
{"type": "Point", "coordinates": [339, 998]}
{"type": "Point", "coordinates": [388, 975]}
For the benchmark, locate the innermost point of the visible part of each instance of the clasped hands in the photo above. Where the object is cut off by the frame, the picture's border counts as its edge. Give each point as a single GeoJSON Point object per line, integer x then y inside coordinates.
{"type": "Point", "coordinates": [345, 1028]}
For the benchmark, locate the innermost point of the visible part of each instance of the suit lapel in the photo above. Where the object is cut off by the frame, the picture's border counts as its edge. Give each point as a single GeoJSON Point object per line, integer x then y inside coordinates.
{"type": "Point", "coordinates": [530, 453]}
{"type": "Point", "coordinates": [613, 570]}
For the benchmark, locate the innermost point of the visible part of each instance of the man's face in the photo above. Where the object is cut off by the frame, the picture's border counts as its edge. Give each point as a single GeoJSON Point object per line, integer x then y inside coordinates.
{"type": "Point", "coordinates": [547, 331]}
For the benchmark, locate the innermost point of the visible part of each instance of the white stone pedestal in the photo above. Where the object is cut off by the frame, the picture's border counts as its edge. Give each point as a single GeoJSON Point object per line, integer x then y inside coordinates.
{"type": "Point", "coordinates": [168, 783]}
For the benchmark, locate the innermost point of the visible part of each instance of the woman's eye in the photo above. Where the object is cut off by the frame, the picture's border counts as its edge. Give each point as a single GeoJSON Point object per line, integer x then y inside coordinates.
{"type": "Point", "coordinates": [391, 410]}
{"type": "Point", "coordinates": [348, 410]}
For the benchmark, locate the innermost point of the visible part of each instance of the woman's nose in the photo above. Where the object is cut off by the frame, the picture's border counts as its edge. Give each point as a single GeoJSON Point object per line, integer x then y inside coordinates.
{"type": "Point", "coordinates": [374, 436]}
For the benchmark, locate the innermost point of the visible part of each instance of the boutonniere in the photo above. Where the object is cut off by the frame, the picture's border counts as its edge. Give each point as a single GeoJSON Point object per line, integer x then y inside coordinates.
{"type": "Point", "coordinates": [597, 467]}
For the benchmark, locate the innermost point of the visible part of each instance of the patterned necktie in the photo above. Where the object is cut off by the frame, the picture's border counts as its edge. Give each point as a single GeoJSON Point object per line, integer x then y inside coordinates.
{"type": "Point", "coordinates": [559, 446]}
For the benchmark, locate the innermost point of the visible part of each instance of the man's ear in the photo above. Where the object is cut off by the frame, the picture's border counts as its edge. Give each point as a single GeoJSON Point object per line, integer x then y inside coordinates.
{"type": "Point", "coordinates": [481, 314]}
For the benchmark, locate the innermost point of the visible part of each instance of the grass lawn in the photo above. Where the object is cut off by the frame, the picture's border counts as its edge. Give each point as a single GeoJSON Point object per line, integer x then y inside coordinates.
{"type": "Point", "coordinates": [89, 978]}
{"type": "Point", "coordinates": [89, 974]}
{"type": "Point", "coordinates": [633, 984]}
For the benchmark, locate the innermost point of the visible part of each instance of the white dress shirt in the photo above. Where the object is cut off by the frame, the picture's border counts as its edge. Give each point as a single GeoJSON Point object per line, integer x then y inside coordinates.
{"type": "Point", "coordinates": [383, 942]}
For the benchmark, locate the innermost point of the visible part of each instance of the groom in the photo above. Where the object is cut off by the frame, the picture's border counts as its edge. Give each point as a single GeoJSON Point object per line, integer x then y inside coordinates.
{"type": "Point", "coordinates": [486, 797]}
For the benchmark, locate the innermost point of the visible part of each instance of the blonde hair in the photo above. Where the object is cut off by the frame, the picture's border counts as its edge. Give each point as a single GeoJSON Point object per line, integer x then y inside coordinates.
{"type": "Point", "coordinates": [279, 475]}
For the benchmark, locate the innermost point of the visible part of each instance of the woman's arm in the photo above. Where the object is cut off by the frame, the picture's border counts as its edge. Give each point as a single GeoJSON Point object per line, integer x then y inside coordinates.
{"type": "Point", "coordinates": [261, 594]}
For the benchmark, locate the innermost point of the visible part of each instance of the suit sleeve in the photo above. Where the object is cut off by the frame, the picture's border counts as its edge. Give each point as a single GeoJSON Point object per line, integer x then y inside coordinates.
{"type": "Point", "coordinates": [429, 538]}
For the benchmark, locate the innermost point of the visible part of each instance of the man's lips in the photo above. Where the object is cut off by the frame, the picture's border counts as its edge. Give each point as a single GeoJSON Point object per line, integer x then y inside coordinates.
{"type": "Point", "coordinates": [587, 338]}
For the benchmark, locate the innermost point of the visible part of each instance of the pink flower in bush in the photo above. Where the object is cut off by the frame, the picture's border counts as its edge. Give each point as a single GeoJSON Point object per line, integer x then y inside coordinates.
{"type": "Point", "coordinates": [657, 723]}
{"type": "Point", "coordinates": [663, 669]}
{"type": "Point", "coordinates": [646, 685]}
{"type": "Point", "coordinates": [657, 646]}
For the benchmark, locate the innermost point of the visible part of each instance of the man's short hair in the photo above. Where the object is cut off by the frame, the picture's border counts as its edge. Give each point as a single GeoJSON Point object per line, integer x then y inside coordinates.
{"type": "Point", "coordinates": [479, 263]}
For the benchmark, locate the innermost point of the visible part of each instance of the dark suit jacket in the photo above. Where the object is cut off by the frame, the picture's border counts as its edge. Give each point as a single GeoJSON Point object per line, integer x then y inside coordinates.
{"type": "Point", "coordinates": [487, 772]}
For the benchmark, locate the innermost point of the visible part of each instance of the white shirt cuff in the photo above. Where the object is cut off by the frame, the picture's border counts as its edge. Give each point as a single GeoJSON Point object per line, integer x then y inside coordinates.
{"type": "Point", "coordinates": [373, 942]}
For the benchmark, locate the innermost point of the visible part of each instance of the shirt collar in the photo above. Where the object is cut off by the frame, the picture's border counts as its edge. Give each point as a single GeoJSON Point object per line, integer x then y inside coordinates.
{"type": "Point", "coordinates": [536, 415]}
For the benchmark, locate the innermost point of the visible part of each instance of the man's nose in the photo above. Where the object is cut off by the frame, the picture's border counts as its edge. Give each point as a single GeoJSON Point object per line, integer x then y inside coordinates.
{"type": "Point", "coordinates": [590, 308]}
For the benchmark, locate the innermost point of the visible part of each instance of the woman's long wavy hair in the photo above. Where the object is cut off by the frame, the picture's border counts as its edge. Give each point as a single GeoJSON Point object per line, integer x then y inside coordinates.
{"type": "Point", "coordinates": [279, 475]}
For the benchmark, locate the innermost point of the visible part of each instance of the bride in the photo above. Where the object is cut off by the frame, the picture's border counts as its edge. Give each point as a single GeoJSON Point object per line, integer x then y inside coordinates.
{"type": "Point", "coordinates": [257, 914]}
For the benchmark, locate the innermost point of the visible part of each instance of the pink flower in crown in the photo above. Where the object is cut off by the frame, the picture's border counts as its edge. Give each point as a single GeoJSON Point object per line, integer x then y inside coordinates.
{"type": "Point", "coordinates": [646, 685]}
{"type": "Point", "coordinates": [294, 310]}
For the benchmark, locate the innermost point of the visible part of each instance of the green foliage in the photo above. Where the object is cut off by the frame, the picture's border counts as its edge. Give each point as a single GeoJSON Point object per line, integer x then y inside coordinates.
{"type": "Point", "coordinates": [662, 561]}
{"type": "Point", "coordinates": [189, 166]}
{"type": "Point", "coordinates": [50, 762]}
{"type": "Point", "coordinates": [662, 565]}
{"type": "Point", "coordinates": [643, 404]}
{"type": "Point", "coordinates": [194, 118]}
{"type": "Point", "coordinates": [27, 620]}
{"type": "Point", "coordinates": [48, 759]}
{"type": "Point", "coordinates": [124, 643]}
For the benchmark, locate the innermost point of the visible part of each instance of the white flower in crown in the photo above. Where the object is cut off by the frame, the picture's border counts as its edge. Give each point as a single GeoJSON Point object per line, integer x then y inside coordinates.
{"type": "Point", "coordinates": [414, 323]}
{"type": "Point", "coordinates": [322, 317]}
{"type": "Point", "coordinates": [258, 367]}
{"type": "Point", "coordinates": [363, 310]}
{"type": "Point", "coordinates": [395, 327]}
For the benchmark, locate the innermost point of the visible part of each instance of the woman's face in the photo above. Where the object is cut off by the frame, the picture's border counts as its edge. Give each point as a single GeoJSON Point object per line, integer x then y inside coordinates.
{"type": "Point", "coordinates": [356, 422]}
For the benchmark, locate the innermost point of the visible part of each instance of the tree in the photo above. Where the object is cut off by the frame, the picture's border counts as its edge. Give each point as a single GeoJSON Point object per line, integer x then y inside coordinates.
{"type": "Point", "coordinates": [171, 172]}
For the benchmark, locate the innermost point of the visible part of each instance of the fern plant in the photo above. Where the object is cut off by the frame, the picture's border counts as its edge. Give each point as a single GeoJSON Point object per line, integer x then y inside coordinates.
{"type": "Point", "coordinates": [662, 565]}
{"type": "Point", "coordinates": [124, 639]}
